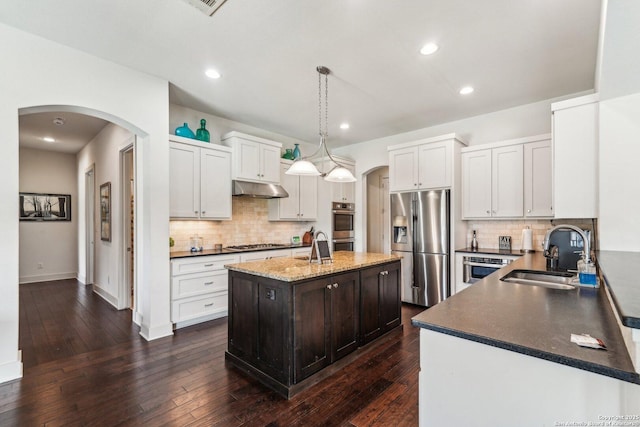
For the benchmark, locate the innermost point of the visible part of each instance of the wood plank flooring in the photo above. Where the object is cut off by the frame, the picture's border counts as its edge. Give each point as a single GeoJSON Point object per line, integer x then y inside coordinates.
{"type": "Point", "coordinates": [85, 364]}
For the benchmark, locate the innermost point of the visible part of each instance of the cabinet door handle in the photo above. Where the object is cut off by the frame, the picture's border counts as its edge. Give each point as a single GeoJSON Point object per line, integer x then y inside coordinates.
{"type": "Point", "coordinates": [329, 287]}
{"type": "Point", "coordinates": [208, 283]}
{"type": "Point", "coordinates": [208, 265]}
{"type": "Point", "coordinates": [489, 212]}
{"type": "Point", "coordinates": [196, 212]}
{"type": "Point", "coordinates": [335, 285]}
{"type": "Point", "coordinates": [209, 305]}
{"type": "Point", "coordinates": [420, 184]}
{"type": "Point", "coordinates": [528, 210]}
{"type": "Point", "coordinates": [203, 212]}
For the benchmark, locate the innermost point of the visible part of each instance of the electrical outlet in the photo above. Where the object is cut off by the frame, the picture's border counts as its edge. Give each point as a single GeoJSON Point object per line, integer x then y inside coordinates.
{"type": "Point", "coordinates": [40, 265]}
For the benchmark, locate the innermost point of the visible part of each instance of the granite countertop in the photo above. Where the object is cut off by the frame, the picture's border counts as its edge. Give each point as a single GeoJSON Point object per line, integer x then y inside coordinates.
{"type": "Point", "coordinates": [535, 321]}
{"type": "Point", "coordinates": [489, 251]}
{"type": "Point", "coordinates": [224, 251]}
{"type": "Point", "coordinates": [295, 269]}
{"type": "Point", "coordinates": [619, 270]}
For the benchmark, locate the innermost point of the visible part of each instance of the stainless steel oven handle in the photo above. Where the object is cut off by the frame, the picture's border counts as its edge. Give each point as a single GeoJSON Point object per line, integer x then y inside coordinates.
{"type": "Point", "coordinates": [343, 211]}
{"type": "Point", "coordinates": [479, 264]}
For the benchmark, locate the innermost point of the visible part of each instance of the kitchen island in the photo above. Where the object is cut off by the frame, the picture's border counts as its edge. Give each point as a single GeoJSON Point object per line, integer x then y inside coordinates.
{"type": "Point", "coordinates": [292, 322]}
{"type": "Point", "coordinates": [499, 353]}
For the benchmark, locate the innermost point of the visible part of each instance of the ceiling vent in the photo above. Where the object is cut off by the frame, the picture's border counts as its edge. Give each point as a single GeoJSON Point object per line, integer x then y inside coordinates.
{"type": "Point", "coordinates": [206, 6]}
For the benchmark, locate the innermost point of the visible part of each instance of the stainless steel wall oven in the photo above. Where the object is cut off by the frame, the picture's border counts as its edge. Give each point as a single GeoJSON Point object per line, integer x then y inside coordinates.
{"type": "Point", "coordinates": [343, 226]}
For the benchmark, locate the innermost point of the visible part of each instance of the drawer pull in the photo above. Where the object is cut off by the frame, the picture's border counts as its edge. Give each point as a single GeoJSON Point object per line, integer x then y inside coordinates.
{"type": "Point", "coordinates": [209, 305]}
{"type": "Point", "coordinates": [208, 283]}
{"type": "Point", "coordinates": [208, 265]}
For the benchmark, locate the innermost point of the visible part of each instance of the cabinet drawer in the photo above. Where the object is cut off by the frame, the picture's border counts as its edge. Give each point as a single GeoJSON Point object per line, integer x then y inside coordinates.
{"type": "Point", "coordinates": [201, 264]}
{"type": "Point", "coordinates": [204, 305]}
{"type": "Point", "coordinates": [190, 285]}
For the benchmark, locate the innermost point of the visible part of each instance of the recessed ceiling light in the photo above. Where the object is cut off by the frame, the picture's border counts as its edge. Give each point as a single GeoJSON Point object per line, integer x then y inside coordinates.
{"type": "Point", "coordinates": [58, 121]}
{"type": "Point", "coordinates": [212, 74]}
{"type": "Point", "coordinates": [49, 139]}
{"type": "Point", "coordinates": [466, 90]}
{"type": "Point", "coordinates": [344, 126]}
{"type": "Point", "coordinates": [429, 49]}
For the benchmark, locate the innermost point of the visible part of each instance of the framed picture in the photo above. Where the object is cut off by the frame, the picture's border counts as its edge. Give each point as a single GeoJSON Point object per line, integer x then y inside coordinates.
{"type": "Point", "coordinates": [45, 207]}
{"type": "Point", "coordinates": [105, 212]}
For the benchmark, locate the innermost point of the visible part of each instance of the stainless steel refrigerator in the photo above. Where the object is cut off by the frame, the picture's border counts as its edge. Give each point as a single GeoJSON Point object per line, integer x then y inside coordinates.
{"type": "Point", "coordinates": [420, 234]}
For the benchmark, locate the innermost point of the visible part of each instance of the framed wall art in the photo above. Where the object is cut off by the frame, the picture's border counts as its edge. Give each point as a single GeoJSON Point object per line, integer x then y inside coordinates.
{"type": "Point", "coordinates": [105, 212]}
{"type": "Point", "coordinates": [45, 207]}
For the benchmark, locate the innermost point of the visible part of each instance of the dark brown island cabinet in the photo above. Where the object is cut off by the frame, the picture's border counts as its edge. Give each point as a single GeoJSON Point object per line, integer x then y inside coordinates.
{"type": "Point", "coordinates": [289, 334]}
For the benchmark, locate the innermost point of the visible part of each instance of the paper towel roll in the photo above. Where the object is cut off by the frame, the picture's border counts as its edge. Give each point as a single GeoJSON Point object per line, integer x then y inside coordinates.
{"type": "Point", "coordinates": [527, 240]}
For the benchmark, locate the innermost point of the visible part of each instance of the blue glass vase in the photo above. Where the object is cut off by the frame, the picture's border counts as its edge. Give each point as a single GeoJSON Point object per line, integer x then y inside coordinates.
{"type": "Point", "coordinates": [185, 131]}
{"type": "Point", "coordinates": [296, 152]}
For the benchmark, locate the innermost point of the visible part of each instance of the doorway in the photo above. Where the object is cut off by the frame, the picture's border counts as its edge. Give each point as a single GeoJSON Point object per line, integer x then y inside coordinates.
{"type": "Point", "coordinates": [377, 211]}
{"type": "Point", "coordinates": [90, 191]}
{"type": "Point", "coordinates": [127, 214]}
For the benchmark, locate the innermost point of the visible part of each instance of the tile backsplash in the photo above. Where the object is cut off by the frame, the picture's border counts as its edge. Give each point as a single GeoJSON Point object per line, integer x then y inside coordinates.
{"type": "Point", "coordinates": [487, 232]}
{"type": "Point", "coordinates": [250, 225]}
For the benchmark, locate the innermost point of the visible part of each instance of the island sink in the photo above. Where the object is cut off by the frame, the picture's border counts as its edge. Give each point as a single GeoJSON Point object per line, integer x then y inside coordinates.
{"type": "Point", "coordinates": [548, 279]}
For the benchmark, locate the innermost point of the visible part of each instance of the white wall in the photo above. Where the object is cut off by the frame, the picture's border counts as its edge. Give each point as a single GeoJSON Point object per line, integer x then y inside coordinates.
{"type": "Point", "coordinates": [517, 122]}
{"type": "Point", "coordinates": [49, 243]}
{"type": "Point", "coordinates": [104, 153]}
{"type": "Point", "coordinates": [619, 149]}
{"type": "Point", "coordinates": [43, 73]}
{"type": "Point", "coordinates": [619, 222]}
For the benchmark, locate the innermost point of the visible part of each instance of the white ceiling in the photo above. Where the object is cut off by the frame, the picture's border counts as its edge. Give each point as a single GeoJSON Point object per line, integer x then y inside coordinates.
{"type": "Point", "coordinates": [512, 52]}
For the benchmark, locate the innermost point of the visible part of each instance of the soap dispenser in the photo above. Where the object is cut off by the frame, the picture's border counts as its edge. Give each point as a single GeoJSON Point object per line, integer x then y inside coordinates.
{"type": "Point", "coordinates": [474, 242]}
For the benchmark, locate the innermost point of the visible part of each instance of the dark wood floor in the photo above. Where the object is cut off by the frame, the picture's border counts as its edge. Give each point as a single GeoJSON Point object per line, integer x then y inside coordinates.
{"type": "Point", "coordinates": [85, 364]}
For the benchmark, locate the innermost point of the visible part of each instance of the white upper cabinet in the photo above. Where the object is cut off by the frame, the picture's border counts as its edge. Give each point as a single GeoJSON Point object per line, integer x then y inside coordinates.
{"type": "Point", "coordinates": [302, 203]}
{"type": "Point", "coordinates": [507, 181]}
{"type": "Point", "coordinates": [199, 179]}
{"type": "Point", "coordinates": [345, 191]}
{"type": "Point", "coordinates": [254, 159]}
{"type": "Point", "coordinates": [575, 144]}
{"type": "Point", "coordinates": [476, 184]}
{"type": "Point", "coordinates": [538, 180]}
{"type": "Point", "coordinates": [492, 182]}
{"type": "Point", "coordinates": [421, 165]}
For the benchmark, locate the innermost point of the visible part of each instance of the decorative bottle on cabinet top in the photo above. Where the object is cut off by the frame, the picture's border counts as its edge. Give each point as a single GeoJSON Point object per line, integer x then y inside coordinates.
{"type": "Point", "coordinates": [202, 134]}
{"type": "Point", "coordinates": [185, 131]}
{"type": "Point", "coordinates": [296, 152]}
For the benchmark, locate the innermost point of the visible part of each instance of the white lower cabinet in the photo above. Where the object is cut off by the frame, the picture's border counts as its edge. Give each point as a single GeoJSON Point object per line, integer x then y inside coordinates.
{"type": "Point", "coordinates": [199, 288]}
{"type": "Point", "coordinates": [263, 255]}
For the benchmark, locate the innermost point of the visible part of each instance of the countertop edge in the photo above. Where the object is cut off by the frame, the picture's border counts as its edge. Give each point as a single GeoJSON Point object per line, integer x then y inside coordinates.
{"type": "Point", "coordinates": [621, 279]}
{"type": "Point", "coordinates": [528, 351]}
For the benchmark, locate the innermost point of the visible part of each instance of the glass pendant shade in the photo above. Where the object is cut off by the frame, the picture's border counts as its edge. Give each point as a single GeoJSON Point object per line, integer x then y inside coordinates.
{"type": "Point", "coordinates": [303, 167]}
{"type": "Point", "coordinates": [340, 174]}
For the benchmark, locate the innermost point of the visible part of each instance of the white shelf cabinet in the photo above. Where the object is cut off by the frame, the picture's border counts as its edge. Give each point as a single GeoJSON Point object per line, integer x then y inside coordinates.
{"type": "Point", "coordinates": [302, 203]}
{"type": "Point", "coordinates": [199, 288]}
{"type": "Point", "coordinates": [492, 182]}
{"type": "Point", "coordinates": [538, 180]}
{"type": "Point", "coordinates": [427, 165]}
{"type": "Point", "coordinates": [254, 159]}
{"type": "Point", "coordinates": [199, 180]}
{"type": "Point", "coordinates": [575, 144]}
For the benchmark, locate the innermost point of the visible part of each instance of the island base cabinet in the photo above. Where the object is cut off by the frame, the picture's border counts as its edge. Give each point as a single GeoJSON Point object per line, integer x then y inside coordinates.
{"type": "Point", "coordinates": [381, 305]}
{"type": "Point", "coordinates": [326, 322]}
{"type": "Point", "coordinates": [259, 324]}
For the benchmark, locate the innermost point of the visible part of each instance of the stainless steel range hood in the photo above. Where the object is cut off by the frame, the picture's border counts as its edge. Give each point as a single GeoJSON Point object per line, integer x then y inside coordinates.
{"type": "Point", "coordinates": [259, 190]}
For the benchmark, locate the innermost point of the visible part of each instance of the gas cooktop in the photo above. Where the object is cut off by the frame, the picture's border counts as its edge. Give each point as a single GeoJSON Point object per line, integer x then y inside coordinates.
{"type": "Point", "coordinates": [256, 246]}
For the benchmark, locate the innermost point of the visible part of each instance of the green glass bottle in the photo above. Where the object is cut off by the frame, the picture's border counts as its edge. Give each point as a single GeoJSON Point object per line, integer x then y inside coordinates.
{"type": "Point", "coordinates": [202, 134]}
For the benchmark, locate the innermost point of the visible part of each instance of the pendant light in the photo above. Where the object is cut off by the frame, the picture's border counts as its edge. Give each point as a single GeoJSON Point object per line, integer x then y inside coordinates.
{"type": "Point", "coordinates": [303, 166]}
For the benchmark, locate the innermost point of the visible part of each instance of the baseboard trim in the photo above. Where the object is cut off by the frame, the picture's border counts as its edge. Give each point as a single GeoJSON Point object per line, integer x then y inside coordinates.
{"type": "Point", "coordinates": [106, 296]}
{"type": "Point", "coordinates": [11, 371]}
{"type": "Point", "coordinates": [156, 332]}
{"type": "Point", "coordinates": [47, 277]}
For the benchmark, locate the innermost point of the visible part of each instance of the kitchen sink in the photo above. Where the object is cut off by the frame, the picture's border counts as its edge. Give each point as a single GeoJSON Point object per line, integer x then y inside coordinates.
{"type": "Point", "coordinates": [547, 279]}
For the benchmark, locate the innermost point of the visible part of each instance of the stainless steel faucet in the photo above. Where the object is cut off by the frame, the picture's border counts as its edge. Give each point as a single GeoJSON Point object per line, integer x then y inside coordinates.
{"type": "Point", "coordinates": [586, 241]}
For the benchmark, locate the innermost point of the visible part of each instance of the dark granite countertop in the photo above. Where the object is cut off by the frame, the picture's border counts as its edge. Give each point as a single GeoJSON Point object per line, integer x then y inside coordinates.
{"type": "Point", "coordinates": [187, 254]}
{"type": "Point", "coordinates": [535, 321]}
{"type": "Point", "coordinates": [488, 251]}
{"type": "Point", "coordinates": [620, 272]}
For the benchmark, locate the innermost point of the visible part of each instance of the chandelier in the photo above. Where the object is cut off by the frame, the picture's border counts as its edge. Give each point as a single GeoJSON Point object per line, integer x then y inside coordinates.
{"type": "Point", "coordinates": [303, 166]}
